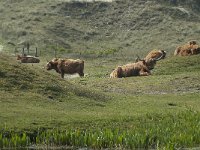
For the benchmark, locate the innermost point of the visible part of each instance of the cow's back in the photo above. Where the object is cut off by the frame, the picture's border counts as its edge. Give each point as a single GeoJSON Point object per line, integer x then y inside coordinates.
{"type": "Point", "coordinates": [131, 69]}
{"type": "Point", "coordinates": [188, 49]}
{"type": "Point", "coordinates": [154, 54]}
{"type": "Point", "coordinates": [71, 66]}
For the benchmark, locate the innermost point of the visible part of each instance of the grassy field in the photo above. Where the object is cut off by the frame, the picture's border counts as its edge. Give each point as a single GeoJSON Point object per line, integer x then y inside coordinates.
{"type": "Point", "coordinates": [39, 109]}
{"type": "Point", "coordinates": [32, 98]}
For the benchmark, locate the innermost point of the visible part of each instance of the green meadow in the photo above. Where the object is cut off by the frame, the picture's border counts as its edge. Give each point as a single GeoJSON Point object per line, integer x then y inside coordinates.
{"type": "Point", "coordinates": [40, 110]}
{"type": "Point", "coordinates": [157, 111]}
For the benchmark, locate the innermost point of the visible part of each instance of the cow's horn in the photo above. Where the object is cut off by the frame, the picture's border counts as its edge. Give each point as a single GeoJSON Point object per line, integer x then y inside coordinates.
{"type": "Point", "coordinates": [159, 58]}
{"type": "Point", "coordinates": [137, 59]}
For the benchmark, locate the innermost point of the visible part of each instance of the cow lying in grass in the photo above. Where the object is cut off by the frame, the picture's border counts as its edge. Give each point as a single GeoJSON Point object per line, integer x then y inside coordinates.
{"type": "Point", "coordinates": [191, 48]}
{"type": "Point", "coordinates": [152, 57]}
{"type": "Point", "coordinates": [141, 67]}
{"type": "Point", "coordinates": [66, 66]}
{"type": "Point", "coordinates": [133, 69]}
{"type": "Point", "coordinates": [28, 59]}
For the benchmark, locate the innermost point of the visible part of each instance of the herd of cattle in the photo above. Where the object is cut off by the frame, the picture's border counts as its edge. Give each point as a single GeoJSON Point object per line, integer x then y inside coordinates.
{"type": "Point", "coordinates": [141, 67]}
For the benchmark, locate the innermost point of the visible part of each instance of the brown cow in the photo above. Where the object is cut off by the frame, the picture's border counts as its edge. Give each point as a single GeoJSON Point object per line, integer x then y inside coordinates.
{"type": "Point", "coordinates": [28, 59]}
{"type": "Point", "coordinates": [191, 48]}
{"type": "Point", "coordinates": [133, 69]}
{"type": "Point", "coordinates": [141, 67]}
{"type": "Point", "coordinates": [152, 58]}
{"type": "Point", "coordinates": [66, 66]}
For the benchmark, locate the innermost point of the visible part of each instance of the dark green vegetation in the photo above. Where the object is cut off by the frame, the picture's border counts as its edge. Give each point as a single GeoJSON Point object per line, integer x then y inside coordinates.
{"type": "Point", "coordinates": [157, 131]}
{"type": "Point", "coordinates": [158, 111]}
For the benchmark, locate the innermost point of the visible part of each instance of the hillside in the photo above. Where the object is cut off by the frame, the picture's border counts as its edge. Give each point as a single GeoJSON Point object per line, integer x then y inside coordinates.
{"type": "Point", "coordinates": [165, 103]}
{"type": "Point", "coordinates": [84, 28]}
{"type": "Point", "coordinates": [50, 101]}
{"type": "Point", "coordinates": [33, 97]}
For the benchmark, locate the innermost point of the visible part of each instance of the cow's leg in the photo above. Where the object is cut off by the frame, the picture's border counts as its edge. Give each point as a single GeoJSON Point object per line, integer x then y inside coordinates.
{"type": "Point", "coordinates": [62, 74]}
{"type": "Point", "coordinates": [81, 74]}
{"type": "Point", "coordinates": [143, 73]}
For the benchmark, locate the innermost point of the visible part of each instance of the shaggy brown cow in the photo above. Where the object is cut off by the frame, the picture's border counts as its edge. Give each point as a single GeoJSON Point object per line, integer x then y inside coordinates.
{"type": "Point", "coordinates": [191, 48]}
{"type": "Point", "coordinates": [68, 66]}
{"type": "Point", "coordinates": [133, 69]}
{"type": "Point", "coordinates": [28, 59]}
{"type": "Point", "coordinates": [152, 58]}
{"type": "Point", "coordinates": [141, 67]}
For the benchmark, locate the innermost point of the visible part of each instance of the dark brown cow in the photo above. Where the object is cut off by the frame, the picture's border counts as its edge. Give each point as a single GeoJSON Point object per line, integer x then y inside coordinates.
{"type": "Point", "coordinates": [66, 66]}
{"type": "Point", "coordinates": [191, 48]}
{"type": "Point", "coordinates": [133, 69]}
{"type": "Point", "coordinates": [28, 59]}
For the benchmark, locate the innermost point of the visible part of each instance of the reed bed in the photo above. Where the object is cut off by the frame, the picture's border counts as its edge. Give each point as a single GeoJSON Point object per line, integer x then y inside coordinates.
{"type": "Point", "coordinates": [154, 131]}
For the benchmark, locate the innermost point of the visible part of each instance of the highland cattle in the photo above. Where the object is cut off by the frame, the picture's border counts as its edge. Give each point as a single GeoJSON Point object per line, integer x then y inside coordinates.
{"type": "Point", "coordinates": [191, 48]}
{"type": "Point", "coordinates": [66, 66]}
{"type": "Point", "coordinates": [28, 59]}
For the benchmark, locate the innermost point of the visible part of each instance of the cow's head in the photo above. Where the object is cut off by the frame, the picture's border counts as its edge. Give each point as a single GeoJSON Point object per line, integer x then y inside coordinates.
{"type": "Point", "coordinates": [50, 65]}
{"type": "Point", "coordinates": [151, 62]}
{"type": "Point", "coordinates": [163, 54]}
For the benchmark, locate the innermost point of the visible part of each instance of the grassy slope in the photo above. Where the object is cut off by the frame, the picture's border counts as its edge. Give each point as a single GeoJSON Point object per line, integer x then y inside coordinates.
{"type": "Point", "coordinates": [31, 98]}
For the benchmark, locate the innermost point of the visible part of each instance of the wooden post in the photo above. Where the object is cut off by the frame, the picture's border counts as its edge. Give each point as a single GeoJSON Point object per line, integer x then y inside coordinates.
{"type": "Point", "coordinates": [23, 51]}
{"type": "Point", "coordinates": [36, 52]}
{"type": "Point", "coordinates": [28, 46]}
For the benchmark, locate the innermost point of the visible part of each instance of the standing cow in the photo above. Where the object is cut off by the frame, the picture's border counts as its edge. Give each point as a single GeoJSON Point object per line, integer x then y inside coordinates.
{"type": "Point", "coordinates": [66, 66]}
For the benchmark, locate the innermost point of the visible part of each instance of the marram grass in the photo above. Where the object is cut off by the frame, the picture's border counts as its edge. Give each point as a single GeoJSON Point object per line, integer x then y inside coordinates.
{"type": "Point", "coordinates": [155, 131]}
